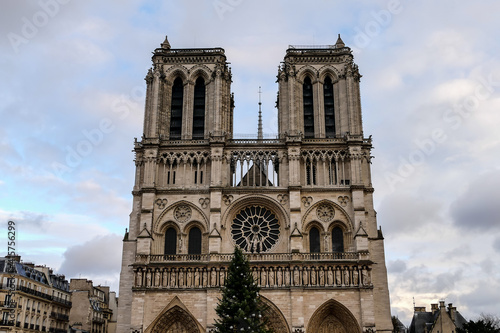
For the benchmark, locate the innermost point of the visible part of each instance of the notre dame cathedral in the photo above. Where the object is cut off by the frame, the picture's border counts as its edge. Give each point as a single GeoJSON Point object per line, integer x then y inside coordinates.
{"type": "Point", "coordinates": [300, 205]}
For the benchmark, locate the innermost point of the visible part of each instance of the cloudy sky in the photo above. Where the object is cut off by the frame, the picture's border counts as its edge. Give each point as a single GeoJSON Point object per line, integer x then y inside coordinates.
{"type": "Point", "coordinates": [71, 102]}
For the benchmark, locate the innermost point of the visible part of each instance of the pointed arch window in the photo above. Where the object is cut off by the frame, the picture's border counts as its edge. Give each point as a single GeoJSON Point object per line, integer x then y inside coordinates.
{"type": "Point", "coordinates": [329, 108]}
{"type": "Point", "coordinates": [314, 244]}
{"type": "Point", "coordinates": [194, 242]}
{"type": "Point", "coordinates": [307, 100]}
{"type": "Point", "coordinates": [310, 172]}
{"type": "Point", "coordinates": [170, 241]}
{"type": "Point", "coordinates": [199, 109]}
{"type": "Point", "coordinates": [337, 240]}
{"type": "Point", "coordinates": [176, 109]}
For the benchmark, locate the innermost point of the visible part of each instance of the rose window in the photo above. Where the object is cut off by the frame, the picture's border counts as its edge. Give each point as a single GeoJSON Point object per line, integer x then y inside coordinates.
{"type": "Point", "coordinates": [255, 229]}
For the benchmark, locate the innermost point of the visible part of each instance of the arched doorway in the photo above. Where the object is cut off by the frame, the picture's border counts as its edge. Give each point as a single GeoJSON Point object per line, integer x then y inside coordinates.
{"type": "Point", "coordinates": [274, 319]}
{"type": "Point", "coordinates": [175, 319]}
{"type": "Point", "coordinates": [333, 317]}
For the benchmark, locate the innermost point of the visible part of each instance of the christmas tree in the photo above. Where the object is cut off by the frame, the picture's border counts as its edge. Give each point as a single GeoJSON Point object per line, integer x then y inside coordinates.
{"type": "Point", "coordinates": [240, 310]}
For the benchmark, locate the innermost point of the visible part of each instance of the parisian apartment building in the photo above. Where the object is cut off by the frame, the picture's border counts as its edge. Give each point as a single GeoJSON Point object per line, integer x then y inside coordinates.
{"type": "Point", "coordinates": [33, 298]}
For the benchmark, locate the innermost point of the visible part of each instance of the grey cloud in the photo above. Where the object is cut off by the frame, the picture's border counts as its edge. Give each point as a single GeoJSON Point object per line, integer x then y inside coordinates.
{"type": "Point", "coordinates": [485, 298]}
{"type": "Point", "coordinates": [28, 220]}
{"type": "Point", "coordinates": [496, 245]}
{"type": "Point", "coordinates": [396, 266]}
{"type": "Point", "coordinates": [478, 208]}
{"type": "Point", "coordinates": [446, 282]}
{"type": "Point", "coordinates": [403, 212]}
{"type": "Point", "coordinates": [100, 256]}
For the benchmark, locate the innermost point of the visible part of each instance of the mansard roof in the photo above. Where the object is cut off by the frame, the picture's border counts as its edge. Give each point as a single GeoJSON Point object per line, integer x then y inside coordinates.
{"type": "Point", "coordinates": [423, 322]}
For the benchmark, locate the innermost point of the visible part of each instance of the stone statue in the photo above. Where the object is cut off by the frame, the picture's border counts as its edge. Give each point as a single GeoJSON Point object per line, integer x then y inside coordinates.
{"type": "Point", "coordinates": [196, 278]}
{"type": "Point", "coordinates": [213, 278]}
{"type": "Point", "coordinates": [330, 277]}
{"type": "Point", "coordinates": [205, 277]}
{"type": "Point", "coordinates": [148, 279]}
{"type": "Point", "coordinates": [279, 277]}
{"type": "Point", "coordinates": [264, 277]}
{"type": "Point", "coordinates": [313, 276]}
{"type": "Point", "coordinates": [173, 278]}
{"type": "Point", "coordinates": [346, 276]}
{"type": "Point", "coordinates": [287, 277]}
{"type": "Point", "coordinates": [321, 277]}
{"type": "Point", "coordinates": [338, 278]}
{"type": "Point", "coordinates": [271, 276]}
{"type": "Point", "coordinates": [157, 278]}
{"type": "Point", "coordinates": [181, 278]}
{"type": "Point", "coordinates": [139, 278]}
{"type": "Point", "coordinates": [366, 277]}
{"type": "Point", "coordinates": [165, 278]}
{"type": "Point", "coordinates": [296, 277]}
{"type": "Point", "coordinates": [189, 280]}
{"type": "Point", "coordinates": [221, 277]}
{"type": "Point", "coordinates": [355, 276]}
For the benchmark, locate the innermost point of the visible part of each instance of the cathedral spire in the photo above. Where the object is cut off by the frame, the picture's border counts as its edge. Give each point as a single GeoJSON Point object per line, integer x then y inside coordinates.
{"type": "Point", "coordinates": [260, 136]}
{"type": "Point", "coordinates": [340, 43]}
{"type": "Point", "coordinates": [165, 44]}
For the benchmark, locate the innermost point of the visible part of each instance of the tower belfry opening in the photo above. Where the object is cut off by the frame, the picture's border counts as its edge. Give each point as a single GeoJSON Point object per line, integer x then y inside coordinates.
{"type": "Point", "coordinates": [299, 205]}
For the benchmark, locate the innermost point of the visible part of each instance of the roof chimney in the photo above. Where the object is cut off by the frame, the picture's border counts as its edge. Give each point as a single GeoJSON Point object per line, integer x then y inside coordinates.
{"type": "Point", "coordinates": [420, 309]}
{"type": "Point", "coordinates": [453, 311]}
{"type": "Point", "coordinates": [441, 305]}
{"type": "Point", "coordinates": [434, 308]}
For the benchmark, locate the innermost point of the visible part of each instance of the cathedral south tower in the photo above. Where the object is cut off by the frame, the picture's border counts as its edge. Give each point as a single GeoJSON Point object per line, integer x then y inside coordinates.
{"type": "Point", "coordinates": [300, 205]}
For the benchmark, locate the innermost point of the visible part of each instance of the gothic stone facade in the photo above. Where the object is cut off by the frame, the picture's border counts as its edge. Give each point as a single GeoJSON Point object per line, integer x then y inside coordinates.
{"type": "Point", "coordinates": [300, 205]}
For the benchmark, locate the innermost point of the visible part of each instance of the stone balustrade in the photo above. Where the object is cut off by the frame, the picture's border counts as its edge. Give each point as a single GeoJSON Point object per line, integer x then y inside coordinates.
{"type": "Point", "coordinates": [255, 257]}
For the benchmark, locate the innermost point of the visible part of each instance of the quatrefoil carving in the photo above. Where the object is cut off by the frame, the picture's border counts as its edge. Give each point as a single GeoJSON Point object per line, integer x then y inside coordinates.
{"type": "Point", "coordinates": [204, 202]}
{"type": "Point", "coordinates": [307, 201]}
{"type": "Point", "coordinates": [161, 203]}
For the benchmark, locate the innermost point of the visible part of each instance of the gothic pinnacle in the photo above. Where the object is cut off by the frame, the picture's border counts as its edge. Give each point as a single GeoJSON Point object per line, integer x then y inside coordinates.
{"type": "Point", "coordinates": [165, 44]}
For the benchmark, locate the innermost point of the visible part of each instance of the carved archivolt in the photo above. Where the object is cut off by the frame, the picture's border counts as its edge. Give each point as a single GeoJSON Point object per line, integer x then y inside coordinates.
{"type": "Point", "coordinates": [175, 318]}
{"type": "Point", "coordinates": [274, 318]}
{"type": "Point", "coordinates": [328, 70]}
{"type": "Point", "coordinates": [200, 70]}
{"type": "Point", "coordinates": [340, 215]}
{"type": "Point", "coordinates": [251, 199]}
{"type": "Point", "coordinates": [305, 71]}
{"type": "Point", "coordinates": [177, 71]}
{"type": "Point", "coordinates": [173, 212]}
{"type": "Point", "coordinates": [334, 317]}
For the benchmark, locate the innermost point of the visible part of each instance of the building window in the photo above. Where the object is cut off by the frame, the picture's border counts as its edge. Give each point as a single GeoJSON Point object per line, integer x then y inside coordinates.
{"type": "Point", "coordinates": [194, 245]}
{"type": "Point", "coordinates": [314, 245]}
{"type": "Point", "coordinates": [337, 240]}
{"type": "Point", "coordinates": [332, 173]}
{"type": "Point", "coordinates": [307, 99]}
{"type": "Point", "coordinates": [176, 109]}
{"type": "Point", "coordinates": [198, 173]}
{"type": "Point", "coordinates": [171, 241]}
{"type": "Point", "coordinates": [329, 108]}
{"type": "Point", "coordinates": [255, 229]}
{"type": "Point", "coordinates": [310, 172]}
{"type": "Point", "coordinates": [199, 109]}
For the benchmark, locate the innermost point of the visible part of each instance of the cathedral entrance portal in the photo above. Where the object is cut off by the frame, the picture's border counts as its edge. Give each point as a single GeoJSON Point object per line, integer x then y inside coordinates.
{"type": "Point", "coordinates": [273, 317]}
{"type": "Point", "coordinates": [333, 317]}
{"type": "Point", "coordinates": [174, 319]}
